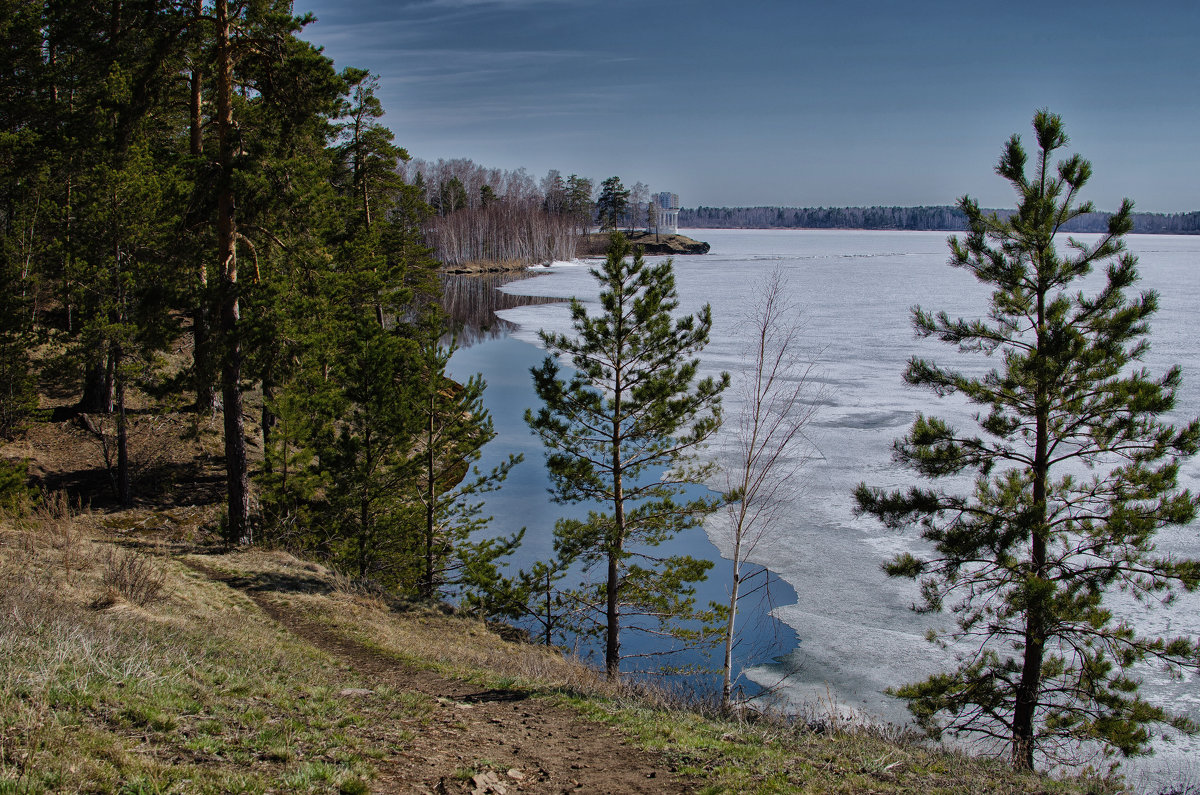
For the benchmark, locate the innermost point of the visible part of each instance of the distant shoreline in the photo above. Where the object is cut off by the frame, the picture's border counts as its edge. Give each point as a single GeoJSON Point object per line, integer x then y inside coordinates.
{"type": "Point", "coordinates": [943, 218]}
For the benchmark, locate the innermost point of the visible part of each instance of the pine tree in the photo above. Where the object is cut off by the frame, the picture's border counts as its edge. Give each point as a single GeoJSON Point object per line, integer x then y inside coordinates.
{"type": "Point", "coordinates": [363, 457]}
{"type": "Point", "coordinates": [621, 433]}
{"type": "Point", "coordinates": [612, 203]}
{"type": "Point", "coordinates": [452, 428]}
{"type": "Point", "coordinates": [1074, 473]}
{"type": "Point", "coordinates": [130, 227]}
{"type": "Point", "coordinates": [273, 97]}
{"type": "Point", "coordinates": [579, 201]}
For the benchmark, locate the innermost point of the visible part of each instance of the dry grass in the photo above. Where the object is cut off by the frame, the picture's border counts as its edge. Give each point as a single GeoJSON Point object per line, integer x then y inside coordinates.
{"type": "Point", "coordinates": [198, 692]}
{"type": "Point", "coordinates": [134, 576]}
{"type": "Point", "coordinates": [820, 751]}
{"type": "Point", "coordinates": [202, 692]}
{"type": "Point", "coordinates": [418, 634]}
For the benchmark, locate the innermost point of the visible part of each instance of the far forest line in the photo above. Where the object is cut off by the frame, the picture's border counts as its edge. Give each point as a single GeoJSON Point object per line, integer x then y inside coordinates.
{"type": "Point", "coordinates": [912, 219]}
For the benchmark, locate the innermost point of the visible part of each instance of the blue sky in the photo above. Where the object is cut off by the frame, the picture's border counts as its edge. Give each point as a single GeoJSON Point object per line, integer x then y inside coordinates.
{"type": "Point", "coordinates": [787, 102]}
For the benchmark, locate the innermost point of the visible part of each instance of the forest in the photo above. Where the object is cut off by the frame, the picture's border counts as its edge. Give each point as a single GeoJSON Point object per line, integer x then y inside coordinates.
{"type": "Point", "coordinates": [202, 219]}
{"type": "Point", "coordinates": [913, 219]}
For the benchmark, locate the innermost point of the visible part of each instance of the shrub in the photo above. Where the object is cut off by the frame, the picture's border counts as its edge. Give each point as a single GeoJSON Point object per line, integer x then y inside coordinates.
{"type": "Point", "coordinates": [134, 576]}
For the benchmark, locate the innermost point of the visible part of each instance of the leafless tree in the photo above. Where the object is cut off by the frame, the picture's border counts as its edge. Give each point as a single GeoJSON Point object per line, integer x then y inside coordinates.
{"type": "Point", "coordinates": [779, 399]}
{"type": "Point", "coordinates": [639, 195]}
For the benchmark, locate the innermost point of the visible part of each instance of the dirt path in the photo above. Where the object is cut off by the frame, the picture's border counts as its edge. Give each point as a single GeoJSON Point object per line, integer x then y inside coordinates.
{"type": "Point", "coordinates": [515, 743]}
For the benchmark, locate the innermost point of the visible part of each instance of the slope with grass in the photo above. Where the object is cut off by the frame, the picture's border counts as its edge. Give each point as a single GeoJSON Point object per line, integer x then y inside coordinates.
{"type": "Point", "coordinates": [138, 655]}
{"type": "Point", "coordinates": [136, 658]}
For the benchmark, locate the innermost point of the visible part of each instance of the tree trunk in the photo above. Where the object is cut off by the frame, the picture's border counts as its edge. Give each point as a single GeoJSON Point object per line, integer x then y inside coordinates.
{"type": "Point", "coordinates": [202, 348]}
{"type": "Point", "coordinates": [427, 587]}
{"type": "Point", "coordinates": [727, 668]}
{"type": "Point", "coordinates": [268, 421]}
{"type": "Point", "coordinates": [97, 387]}
{"type": "Point", "coordinates": [1029, 686]}
{"type": "Point", "coordinates": [237, 475]}
{"type": "Point", "coordinates": [364, 510]}
{"type": "Point", "coordinates": [549, 609]}
{"type": "Point", "coordinates": [124, 487]}
{"type": "Point", "coordinates": [612, 646]}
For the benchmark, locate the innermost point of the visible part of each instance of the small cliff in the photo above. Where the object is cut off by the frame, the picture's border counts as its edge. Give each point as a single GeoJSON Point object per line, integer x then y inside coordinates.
{"type": "Point", "coordinates": [596, 244]}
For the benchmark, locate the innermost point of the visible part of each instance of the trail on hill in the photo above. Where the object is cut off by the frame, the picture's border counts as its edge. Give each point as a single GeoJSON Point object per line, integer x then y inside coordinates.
{"type": "Point", "coordinates": [516, 743]}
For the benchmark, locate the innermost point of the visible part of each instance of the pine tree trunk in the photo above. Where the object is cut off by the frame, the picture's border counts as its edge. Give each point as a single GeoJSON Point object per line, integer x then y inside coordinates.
{"type": "Point", "coordinates": [612, 646]}
{"type": "Point", "coordinates": [427, 586]}
{"type": "Point", "coordinates": [237, 475]}
{"type": "Point", "coordinates": [1029, 687]}
{"type": "Point", "coordinates": [202, 348]}
{"type": "Point", "coordinates": [364, 517]}
{"type": "Point", "coordinates": [549, 609]}
{"type": "Point", "coordinates": [124, 487]}
{"type": "Point", "coordinates": [97, 388]}
{"type": "Point", "coordinates": [268, 421]}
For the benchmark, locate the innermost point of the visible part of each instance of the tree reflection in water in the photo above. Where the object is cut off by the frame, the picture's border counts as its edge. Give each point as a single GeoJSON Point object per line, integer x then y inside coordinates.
{"type": "Point", "coordinates": [472, 303]}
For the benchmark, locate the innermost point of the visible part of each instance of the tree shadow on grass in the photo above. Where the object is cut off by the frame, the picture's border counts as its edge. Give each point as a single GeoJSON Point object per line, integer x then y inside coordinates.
{"type": "Point", "coordinates": [280, 582]}
{"type": "Point", "coordinates": [172, 485]}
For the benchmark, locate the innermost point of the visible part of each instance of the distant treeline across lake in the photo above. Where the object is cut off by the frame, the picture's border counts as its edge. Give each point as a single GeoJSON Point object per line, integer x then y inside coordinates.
{"type": "Point", "coordinates": [916, 219]}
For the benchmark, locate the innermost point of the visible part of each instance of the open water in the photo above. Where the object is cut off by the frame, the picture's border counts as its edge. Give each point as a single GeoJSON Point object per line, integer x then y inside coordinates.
{"type": "Point", "coordinates": [848, 633]}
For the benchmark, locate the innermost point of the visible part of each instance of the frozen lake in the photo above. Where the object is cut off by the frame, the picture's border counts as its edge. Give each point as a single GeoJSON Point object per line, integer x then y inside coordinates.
{"type": "Point", "coordinates": [855, 635]}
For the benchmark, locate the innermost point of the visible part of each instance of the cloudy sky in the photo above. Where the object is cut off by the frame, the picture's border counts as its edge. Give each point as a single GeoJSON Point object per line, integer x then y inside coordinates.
{"type": "Point", "coordinates": [787, 102]}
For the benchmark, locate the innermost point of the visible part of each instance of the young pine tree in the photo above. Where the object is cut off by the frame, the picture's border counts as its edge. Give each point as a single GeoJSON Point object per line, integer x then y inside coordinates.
{"type": "Point", "coordinates": [1074, 472]}
{"type": "Point", "coordinates": [452, 427]}
{"type": "Point", "coordinates": [621, 432]}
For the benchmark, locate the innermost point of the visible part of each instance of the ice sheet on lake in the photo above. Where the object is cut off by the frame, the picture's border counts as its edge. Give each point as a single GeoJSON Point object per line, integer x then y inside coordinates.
{"type": "Point", "coordinates": [855, 291]}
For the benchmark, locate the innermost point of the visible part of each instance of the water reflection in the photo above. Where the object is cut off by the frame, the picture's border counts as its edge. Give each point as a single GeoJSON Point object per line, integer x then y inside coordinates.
{"type": "Point", "coordinates": [473, 301]}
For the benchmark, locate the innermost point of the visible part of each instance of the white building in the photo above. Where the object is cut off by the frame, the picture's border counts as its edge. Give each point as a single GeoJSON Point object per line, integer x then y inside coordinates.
{"type": "Point", "coordinates": [667, 206]}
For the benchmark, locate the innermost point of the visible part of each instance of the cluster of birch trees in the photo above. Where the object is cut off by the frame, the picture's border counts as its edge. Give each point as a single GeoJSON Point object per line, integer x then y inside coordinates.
{"type": "Point", "coordinates": [492, 215]}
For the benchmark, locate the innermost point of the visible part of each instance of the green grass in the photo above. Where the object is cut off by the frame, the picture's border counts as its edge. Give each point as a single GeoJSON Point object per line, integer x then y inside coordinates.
{"type": "Point", "coordinates": [773, 757]}
{"type": "Point", "coordinates": [199, 693]}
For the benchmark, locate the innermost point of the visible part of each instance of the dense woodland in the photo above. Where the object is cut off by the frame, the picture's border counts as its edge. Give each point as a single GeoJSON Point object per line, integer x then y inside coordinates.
{"type": "Point", "coordinates": [201, 216]}
{"type": "Point", "coordinates": [913, 219]}
{"type": "Point", "coordinates": [194, 177]}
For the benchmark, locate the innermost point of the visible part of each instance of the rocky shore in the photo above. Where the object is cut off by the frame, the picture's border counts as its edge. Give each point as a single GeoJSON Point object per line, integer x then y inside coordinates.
{"type": "Point", "coordinates": [596, 244]}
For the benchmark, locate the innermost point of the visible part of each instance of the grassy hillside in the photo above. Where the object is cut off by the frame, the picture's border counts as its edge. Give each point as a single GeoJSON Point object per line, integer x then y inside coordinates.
{"type": "Point", "coordinates": [137, 655]}
{"type": "Point", "coordinates": [136, 658]}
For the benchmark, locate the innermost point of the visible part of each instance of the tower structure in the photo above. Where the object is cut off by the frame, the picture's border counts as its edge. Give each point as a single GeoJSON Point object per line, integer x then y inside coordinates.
{"type": "Point", "coordinates": [667, 206]}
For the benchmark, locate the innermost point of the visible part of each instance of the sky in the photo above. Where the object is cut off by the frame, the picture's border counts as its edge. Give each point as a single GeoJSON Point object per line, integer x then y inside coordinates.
{"type": "Point", "coordinates": [787, 102]}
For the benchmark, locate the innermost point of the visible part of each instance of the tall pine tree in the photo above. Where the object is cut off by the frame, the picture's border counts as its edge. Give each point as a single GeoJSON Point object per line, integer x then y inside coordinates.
{"type": "Point", "coordinates": [1074, 473]}
{"type": "Point", "coordinates": [621, 434]}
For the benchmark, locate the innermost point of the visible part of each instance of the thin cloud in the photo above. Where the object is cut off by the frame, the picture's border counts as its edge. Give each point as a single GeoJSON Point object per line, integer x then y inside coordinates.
{"type": "Point", "coordinates": [475, 3]}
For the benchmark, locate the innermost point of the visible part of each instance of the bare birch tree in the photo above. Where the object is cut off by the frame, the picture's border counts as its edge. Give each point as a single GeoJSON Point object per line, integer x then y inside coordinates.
{"type": "Point", "coordinates": [779, 399]}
